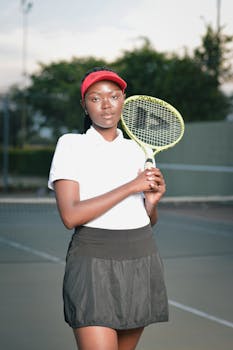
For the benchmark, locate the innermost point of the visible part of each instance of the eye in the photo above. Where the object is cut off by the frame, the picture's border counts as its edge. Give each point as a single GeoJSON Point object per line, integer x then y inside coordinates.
{"type": "Point", "coordinates": [116, 96]}
{"type": "Point", "coordinates": [95, 99]}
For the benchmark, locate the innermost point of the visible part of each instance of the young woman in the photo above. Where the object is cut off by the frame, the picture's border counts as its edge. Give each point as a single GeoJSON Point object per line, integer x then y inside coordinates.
{"type": "Point", "coordinates": [113, 284]}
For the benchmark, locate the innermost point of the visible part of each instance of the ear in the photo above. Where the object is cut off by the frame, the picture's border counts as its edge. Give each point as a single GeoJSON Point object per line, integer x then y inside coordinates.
{"type": "Point", "coordinates": [84, 106]}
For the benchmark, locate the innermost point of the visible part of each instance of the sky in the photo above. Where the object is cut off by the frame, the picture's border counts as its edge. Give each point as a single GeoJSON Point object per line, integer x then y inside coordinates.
{"type": "Point", "coordinates": [62, 29]}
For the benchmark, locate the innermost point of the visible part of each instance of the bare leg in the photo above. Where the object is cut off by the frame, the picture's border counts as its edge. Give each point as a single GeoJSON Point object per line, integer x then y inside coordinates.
{"type": "Point", "coordinates": [96, 338]}
{"type": "Point", "coordinates": [128, 339]}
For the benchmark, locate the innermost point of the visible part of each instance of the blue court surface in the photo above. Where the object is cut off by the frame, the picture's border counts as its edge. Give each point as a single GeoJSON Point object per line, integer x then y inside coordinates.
{"type": "Point", "coordinates": [195, 242]}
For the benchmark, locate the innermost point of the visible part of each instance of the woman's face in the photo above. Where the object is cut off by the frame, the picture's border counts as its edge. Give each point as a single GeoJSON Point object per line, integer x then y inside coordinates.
{"type": "Point", "coordinates": [104, 102]}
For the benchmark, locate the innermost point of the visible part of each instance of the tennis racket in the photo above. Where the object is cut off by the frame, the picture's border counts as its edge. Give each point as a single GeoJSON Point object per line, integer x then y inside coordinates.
{"type": "Point", "coordinates": [152, 123]}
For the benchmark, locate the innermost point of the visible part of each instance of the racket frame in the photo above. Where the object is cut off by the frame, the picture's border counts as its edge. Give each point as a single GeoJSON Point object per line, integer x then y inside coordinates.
{"type": "Point", "coordinates": [144, 145]}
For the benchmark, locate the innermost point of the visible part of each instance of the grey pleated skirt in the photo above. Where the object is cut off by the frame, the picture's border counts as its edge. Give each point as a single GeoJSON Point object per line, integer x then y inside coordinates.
{"type": "Point", "coordinates": [114, 278]}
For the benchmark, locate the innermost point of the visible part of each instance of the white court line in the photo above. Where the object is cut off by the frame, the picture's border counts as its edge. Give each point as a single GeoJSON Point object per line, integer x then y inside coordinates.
{"type": "Point", "coordinates": [200, 313]}
{"type": "Point", "coordinates": [55, 259]}
{"type": "Point", "coordinates": [36, 252]}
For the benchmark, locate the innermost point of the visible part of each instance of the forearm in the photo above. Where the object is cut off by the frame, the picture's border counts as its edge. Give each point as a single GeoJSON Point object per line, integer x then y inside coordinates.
{"type": "Point", "coordinates": [75, 212]}
{"type": "Point", "coordinates": [80, 212]}
{"type": "Point", "coordinates": [152, 212]}
{"type": "Point", "coordinates": [153, 196]}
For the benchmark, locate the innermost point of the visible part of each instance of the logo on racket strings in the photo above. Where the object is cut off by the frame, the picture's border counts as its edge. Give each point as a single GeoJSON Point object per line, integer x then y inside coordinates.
{"type": "Point", "coordinates": [149, 120]}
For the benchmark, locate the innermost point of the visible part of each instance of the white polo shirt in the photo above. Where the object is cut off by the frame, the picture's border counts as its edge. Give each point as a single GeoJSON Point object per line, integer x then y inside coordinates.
{"type": "Point", "coordinates": [100, 166]}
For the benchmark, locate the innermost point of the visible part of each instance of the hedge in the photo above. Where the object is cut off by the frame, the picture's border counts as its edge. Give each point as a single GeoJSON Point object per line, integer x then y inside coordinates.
{"type": "Point", "coordinates": [29, 161]}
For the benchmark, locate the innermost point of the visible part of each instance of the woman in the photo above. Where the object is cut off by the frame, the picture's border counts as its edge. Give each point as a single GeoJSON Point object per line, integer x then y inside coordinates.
{"type": "Point", "coordinates": [113, 284]}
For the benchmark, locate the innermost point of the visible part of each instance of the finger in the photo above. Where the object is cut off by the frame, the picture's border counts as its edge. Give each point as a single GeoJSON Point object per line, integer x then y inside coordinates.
{"type": "Point", "coordinates": [154, 187]}
{"type": "Point", "coordinates": [150, 175]}
{"type": "Point", "coordinates": [154, 173]}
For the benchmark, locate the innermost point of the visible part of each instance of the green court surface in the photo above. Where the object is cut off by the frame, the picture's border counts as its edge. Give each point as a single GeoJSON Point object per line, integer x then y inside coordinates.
{"type": "Point", "coordinates": [196, 244]}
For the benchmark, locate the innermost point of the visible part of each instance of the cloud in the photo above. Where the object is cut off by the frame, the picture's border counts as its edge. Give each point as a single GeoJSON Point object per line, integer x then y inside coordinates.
{"type": "Point", "coordinates": [60, 30]}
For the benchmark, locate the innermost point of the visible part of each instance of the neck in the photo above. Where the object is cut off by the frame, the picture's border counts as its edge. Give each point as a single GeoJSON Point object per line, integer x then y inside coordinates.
{"type": "Point", "coordinates": [108, 134]}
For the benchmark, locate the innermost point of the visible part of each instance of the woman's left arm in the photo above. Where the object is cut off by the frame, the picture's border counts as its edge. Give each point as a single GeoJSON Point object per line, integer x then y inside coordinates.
{"type": "Point", "coordinates": [152, 197]}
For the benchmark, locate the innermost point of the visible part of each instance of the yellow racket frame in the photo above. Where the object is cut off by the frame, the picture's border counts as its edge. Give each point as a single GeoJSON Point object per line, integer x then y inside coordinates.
{"type": "Point", "coordinates": [170, 108]}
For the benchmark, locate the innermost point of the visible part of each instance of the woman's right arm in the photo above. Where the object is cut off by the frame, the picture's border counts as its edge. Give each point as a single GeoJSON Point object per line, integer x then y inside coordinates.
{"type": "Point", "coordinates": [75, 212]}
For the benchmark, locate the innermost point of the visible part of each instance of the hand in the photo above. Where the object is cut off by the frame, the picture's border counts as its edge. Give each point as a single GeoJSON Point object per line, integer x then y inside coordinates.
{"type": "Point", "coordinates": [157, 186]}
{"type": "Point", "coordinates": [145, 181]}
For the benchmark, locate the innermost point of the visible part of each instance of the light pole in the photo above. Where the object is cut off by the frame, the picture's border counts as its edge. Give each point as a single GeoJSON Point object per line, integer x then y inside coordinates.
{"type": "Point", "coordinates": [218, 15]}
{"type": "Point", "coordinates": [25, 7]}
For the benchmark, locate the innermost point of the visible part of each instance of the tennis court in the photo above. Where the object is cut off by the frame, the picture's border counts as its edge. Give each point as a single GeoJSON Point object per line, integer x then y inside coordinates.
{"type": "Point", "coordinates": [195, 241]}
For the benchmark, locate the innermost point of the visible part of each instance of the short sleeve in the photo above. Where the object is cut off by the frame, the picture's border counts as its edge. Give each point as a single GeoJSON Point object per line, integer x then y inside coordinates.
{"type": "Point", "coordinates": [63, 165]}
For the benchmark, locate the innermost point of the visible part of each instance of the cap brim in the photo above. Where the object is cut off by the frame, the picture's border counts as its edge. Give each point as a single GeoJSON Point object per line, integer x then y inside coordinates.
{"type": "Point", "coordinates": [94, 77]}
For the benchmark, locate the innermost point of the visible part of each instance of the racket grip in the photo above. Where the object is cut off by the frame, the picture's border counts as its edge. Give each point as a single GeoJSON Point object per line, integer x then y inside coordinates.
{"type": "Point", "coordinates": [149, 163]}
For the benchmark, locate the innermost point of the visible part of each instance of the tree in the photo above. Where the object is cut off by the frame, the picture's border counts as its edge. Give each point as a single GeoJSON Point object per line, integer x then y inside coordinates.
{"type": "Point", "coordinates": [181, 81]}
{"type": "Point", "coordinates": [213, 55]}
{"type": "Point", "coordinates": [193, 91]}
{"type": "Point", "coordinates": [192, 83]}
{"type": "Point", "coordinates": [143, 69]}
{"type": "Point", "coordinates": [55, 93]}
{"type": "Point", "coordinates": [16, 98]}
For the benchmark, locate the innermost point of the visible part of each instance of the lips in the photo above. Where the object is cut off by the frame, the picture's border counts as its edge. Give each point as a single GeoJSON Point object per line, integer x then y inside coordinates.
{"type": "Point", "coordinates": [107, 116]}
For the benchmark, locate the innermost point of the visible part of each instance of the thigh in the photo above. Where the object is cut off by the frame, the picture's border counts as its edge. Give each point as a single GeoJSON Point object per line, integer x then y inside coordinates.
{"type": "Point", "coordinates": [128, 339]}
{"type": "Point", "coordinates": [96, 337]}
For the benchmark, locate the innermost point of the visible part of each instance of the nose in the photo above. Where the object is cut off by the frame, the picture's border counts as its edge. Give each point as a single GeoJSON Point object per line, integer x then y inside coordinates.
{"type": "Point", "coordinates": [106, 102]}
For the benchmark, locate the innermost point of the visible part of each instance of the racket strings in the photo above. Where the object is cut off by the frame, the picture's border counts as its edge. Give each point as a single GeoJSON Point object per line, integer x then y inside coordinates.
{"type": "Point", "coordinates": [151, 123]}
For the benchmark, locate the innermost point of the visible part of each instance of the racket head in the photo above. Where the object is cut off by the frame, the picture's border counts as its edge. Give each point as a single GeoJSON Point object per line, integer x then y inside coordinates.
{"type": "Point", "coordinates": [152, 122]}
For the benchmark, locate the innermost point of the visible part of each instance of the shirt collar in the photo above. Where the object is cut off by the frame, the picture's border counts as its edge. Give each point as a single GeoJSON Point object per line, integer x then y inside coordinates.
{"type": "Point", "coordinates": [97, 138]}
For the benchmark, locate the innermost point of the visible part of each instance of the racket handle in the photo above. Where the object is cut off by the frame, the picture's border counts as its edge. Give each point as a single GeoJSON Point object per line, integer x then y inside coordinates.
{"type": "Point", "coordinates": [149, 163]}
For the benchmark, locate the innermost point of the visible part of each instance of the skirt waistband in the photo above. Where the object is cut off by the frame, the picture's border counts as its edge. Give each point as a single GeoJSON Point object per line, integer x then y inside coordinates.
{"type": "Point", "coordinates": [115, 244]}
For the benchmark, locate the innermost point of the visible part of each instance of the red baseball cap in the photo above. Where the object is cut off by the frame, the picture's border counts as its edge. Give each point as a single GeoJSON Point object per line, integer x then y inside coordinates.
{"type": "Point", "coordinates": [101, 75]}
